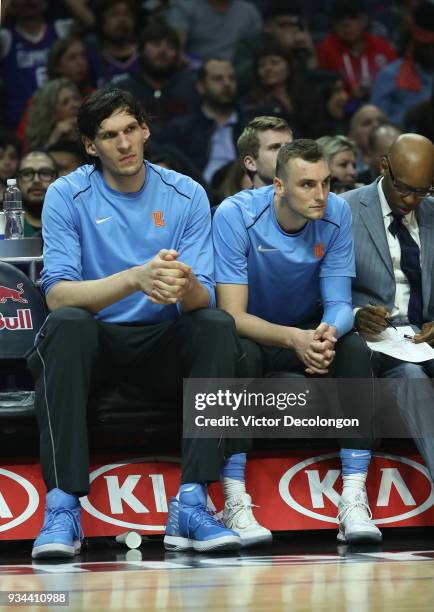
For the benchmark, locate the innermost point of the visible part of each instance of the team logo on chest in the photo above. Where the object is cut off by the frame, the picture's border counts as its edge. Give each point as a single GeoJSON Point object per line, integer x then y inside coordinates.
{"type": "Point", "coordinates": [158, 218]}
{"type": "Point", "coordinates": [318, 250]}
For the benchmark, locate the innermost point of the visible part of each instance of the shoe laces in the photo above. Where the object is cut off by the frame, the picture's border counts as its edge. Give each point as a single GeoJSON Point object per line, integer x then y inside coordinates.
{"type": "Point", "coordinates": [238, 505]}
{"type": "Point", "coordinates": [358, 503]}
{"type": "Point", "coordinates": [202, 515]}
{"type": "Point", "coordinates": [58, 517]}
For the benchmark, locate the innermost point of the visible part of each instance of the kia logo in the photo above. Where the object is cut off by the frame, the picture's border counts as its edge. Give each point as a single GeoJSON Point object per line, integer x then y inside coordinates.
{"type": "Point", "coordinates": [397, 483]}
{"type": "Point", "coordinates": [128, 495]}
{"type": "Point", "coordinates": [7, 510]}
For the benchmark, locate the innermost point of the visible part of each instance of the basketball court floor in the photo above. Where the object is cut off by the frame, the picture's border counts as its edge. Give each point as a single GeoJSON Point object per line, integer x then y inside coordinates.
{"type": "Point", "coordinates": [299, 571]}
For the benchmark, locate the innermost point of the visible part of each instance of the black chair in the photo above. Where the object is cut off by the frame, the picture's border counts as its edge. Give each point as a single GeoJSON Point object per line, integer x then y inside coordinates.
{"type": "Point", "coordinates": [121, 417]}
{"type": "Point", "coordinates": [22, 313]}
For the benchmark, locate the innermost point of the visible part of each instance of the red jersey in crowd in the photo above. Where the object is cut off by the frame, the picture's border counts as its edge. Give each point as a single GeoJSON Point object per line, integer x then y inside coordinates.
{"type": "Point", "coordinates": [334, 55]}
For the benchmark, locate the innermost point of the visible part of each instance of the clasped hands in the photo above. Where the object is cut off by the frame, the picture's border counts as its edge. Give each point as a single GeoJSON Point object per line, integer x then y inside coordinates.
{"type": "Point", "coordinates": [164, 279]}
{"type": "Point", "coordinates": [316, 347]}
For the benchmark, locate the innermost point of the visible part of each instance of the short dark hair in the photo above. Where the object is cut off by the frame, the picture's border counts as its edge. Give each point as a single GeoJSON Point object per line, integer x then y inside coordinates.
{"type": "Point", "coordinates": [248, 141]}
{"type": "Point", "coordinates": [104, 102]}
{"type": "Point", "coordinates": [100, 8]}
{"type": "Point", "coordinates": [343, 9]}
{"type": "Point", "coordinates": [101, 104]}
{"type": "Point", "coordinates": [155, 32]}
{"type": "Point", "coordinates": [302, 148]}
{"type": "Point", "coordinates": [201, 73]}
{"type": "Point", "coordinates": [39, 152]}
{"type": "Point", "coordinates": [67, 146]}
{"type": "Point", "coordinates": [276, 8]}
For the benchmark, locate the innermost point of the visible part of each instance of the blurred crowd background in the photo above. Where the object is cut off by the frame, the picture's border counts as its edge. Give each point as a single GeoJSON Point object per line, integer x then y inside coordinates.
{"type": "Point", "coordinates": [352, 73]}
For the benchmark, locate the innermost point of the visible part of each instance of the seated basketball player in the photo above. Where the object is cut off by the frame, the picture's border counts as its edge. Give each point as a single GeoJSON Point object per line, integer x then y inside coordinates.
{"type": "Point", "coordinates": [279, 249]}
{"type": "Point", "coordinates": [128, 277]}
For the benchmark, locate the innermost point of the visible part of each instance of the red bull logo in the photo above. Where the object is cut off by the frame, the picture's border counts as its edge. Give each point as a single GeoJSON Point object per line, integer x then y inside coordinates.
{"type": "Point", "coordinates": [6, 293]}
{"type": "Point", "coordinates": [23, 320]}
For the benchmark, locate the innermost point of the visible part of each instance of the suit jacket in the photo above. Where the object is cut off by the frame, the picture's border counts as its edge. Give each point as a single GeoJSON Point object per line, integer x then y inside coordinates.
{"type": "Point", "coordinates": [375, 281]}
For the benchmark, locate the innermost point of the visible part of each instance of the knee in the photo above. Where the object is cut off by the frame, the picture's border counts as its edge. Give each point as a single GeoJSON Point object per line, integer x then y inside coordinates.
{"type": "Point", "coordinates": [411, 370]}
{"type": "Point", "coordinates": [214, 319]}
{"type": "Point", "coordinates": [69, 313]}
{"type": "Point", "coordinates": [69, 319]}
{"type": "Point", "coordinates": [353, 341]}
{"type": "Point", "coordinates": [354, 345]}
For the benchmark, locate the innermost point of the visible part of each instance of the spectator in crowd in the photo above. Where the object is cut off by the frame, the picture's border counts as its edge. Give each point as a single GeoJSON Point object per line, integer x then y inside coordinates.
{"type": "Point", "coordinates": [140, 306]}
{"type": "Point", "coordinates": [36, 171]}
{"type": "Point", "coordinates": [212, 28]}
{"type": "Point", "coordinates": [169, 157]}
{"type": "Point", "coordinates": [352, 51]}
{"type": "Point", "coordinates": [326, 112]}
{"type": "Point", "coordinates": [231, 179]}
{"type": "Point", "coordinates": [409, 80]}
{"type": "Point", "coordinates": [364, 120]}
{"type": "Point", "coordinates": [393, 229]}
{"type": "Point", "coordinates": [165, 87]}
{"type": "Point", "coordinates": [10, 154]}
{"type": "Point", "coordinates": [420, 118]}
{"type": "Point", "coordinates": [340, 154]}
{"type": "Point", "coordinates": [380, 140]}
{"type": "Point", "coordinates": [208, 136]}
{"type": "Point", "coordinates": [52, 114]}
{"type": "Point", "coordinates": [113, 55]}
{"type": "Point", "coordinates": [284, 27]}
{"type": "Point", "coordinates": [279, 252]}
{"type": "Point", "coordinates": [68, 156]}
{"type": "Point", "coordinates": [277, 89]}
{"type": "Point", "coordinates": [258, 146]}
{"type": "Point", "coordinates": [67, 58]}
{"type": "Point", "coordinates": [23, 55]}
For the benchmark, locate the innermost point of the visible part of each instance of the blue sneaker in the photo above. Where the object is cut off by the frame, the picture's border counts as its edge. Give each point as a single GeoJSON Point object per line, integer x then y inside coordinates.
{"type": "Point", "coordinates": [173, 539]}
{"type": "Point", "coordinates": [61, 534]}
{"type": "Point", "coordinates": [191, 526]}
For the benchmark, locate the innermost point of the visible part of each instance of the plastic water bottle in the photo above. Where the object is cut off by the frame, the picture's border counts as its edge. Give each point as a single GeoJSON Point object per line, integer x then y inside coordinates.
{"type": "Point", "coordinates": [13, 209]}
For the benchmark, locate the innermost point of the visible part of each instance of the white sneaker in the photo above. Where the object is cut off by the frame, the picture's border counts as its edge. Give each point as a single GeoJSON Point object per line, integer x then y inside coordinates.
{"type": "Point", "coordinates": [355, 519]}
{"type": "Point", "coordinates": [238, 516]}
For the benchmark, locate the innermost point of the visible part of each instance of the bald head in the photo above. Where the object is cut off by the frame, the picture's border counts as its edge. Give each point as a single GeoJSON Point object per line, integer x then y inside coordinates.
{"type": "Point", "coordinates": [364, 120]}
{"type": "Point", "coordinates": [382, 138]}
{"type": "Point", "coordinates": [408, 172]}
{"type": "Point", "coordinates": [412, 159]}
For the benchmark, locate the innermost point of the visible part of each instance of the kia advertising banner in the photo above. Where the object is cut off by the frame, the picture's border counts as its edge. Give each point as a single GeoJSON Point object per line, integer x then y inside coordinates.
{"type": "Point", "coordinates": [293, 491]}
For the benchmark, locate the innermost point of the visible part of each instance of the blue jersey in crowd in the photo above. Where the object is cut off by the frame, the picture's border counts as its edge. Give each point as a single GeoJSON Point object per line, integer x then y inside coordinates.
{"type": "Point", "coordinates": [23, 68]}
{"type": "Point", "coordinates": [91, 231]}
{"type": "Point", "coordinates": [287, 274]}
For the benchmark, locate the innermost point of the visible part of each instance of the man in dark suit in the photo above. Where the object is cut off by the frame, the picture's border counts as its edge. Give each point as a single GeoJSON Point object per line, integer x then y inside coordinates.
{"type": "Point", "coordinates": [393, 226]}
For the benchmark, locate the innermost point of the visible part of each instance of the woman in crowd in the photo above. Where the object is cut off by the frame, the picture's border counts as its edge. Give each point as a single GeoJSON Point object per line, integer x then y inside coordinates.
{"type": "Point", "coordinates": [68, 59]}
{"type": "Point", "coordinates": [276, 91]}
{"type": "Point", "coordinates": [53, 114]}
{"type": "Point", "coordinates": [326, 110]}
{"type": "Point", "coordinates": [231, 179]}
{"type": "Point", "coordinates": [340, 153]}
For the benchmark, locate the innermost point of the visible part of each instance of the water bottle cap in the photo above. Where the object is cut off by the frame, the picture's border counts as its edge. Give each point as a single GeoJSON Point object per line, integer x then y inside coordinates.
{"type": "Point", "coordinates": [11, 182]}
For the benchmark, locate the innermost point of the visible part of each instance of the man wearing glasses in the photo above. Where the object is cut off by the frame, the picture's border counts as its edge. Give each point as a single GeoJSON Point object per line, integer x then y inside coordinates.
{"type": "Point", "coordinates": [36, 172]}
{"type": "Point", "coordinates": [393, 226]}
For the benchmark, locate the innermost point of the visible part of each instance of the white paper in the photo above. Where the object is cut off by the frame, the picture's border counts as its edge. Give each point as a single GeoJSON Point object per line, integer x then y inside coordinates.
{"type": "Point", "coordinates": [392, 342]}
